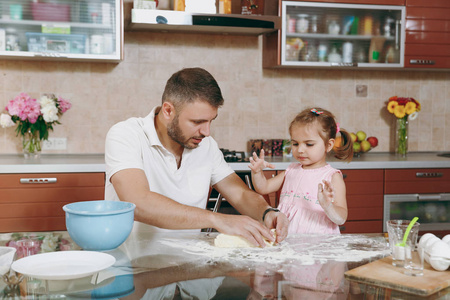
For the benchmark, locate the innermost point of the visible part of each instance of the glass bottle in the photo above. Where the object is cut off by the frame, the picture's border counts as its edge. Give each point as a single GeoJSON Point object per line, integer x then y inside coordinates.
{"type": "Point", "coordinates": [347, 52]}
{"type": "Point", "coordinates": [322, 52]}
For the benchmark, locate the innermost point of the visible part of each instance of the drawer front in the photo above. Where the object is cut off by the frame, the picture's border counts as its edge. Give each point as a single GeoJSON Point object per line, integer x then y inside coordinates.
{"type": "Point", "coordinates": [362, 175]}
{"type": "Point", "coordinates": [364, 188]}
{"type": "Point", "coordinates": [362, 227]}
{"type": "Point", "coordinates": [54, 195]}
{"type": "Point", "coordinates": [365, 207]}
{"type": "Point", "coordinates": [412, 181]}
{"type": "Point", "coordinates": [33, 202]}
{"type": "Point", "coordinates": [31, 181]}
{"type": "Point", "coordinates": [32, 224]}
{"type": "Point", "coordinates": [428, 3]}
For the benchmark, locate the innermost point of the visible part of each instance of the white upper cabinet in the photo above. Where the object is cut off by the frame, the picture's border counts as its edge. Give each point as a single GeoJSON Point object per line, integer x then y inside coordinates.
{"type": "Point", "coordinates": [342, 35]}
{"type": "Point", "coordinates": [89, 30]}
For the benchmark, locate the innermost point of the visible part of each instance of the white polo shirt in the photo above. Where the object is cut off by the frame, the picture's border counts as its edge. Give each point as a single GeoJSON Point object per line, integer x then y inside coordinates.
{"type": "Point", "coordinates": [134, 143]}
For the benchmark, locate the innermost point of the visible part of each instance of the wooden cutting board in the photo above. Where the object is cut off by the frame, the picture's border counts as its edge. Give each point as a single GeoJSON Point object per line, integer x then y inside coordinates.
{"type": "Point", "coordinates": [383, 274]}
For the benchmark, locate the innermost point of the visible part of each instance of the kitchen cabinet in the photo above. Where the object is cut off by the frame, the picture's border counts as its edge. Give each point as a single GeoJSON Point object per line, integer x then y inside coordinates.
{"type": "Point", "coordinates": [420, 181]}
{"type": "Point", "coordinates": [423, 193]}
{"type": "Point", "coordinates": [364, 201]}
{"type": "Point", "coordinates": [427, 42]}
{"type": "Point", "coordinates": [62, 30]}
{"type": "Point", "coordinates": [318, 34]}
{"type": "Point", "coordinates": [272, 198]}
{"type": "Point", "coordinates": [33, 202]}
{"type": "Point", "coordinates": [187, 22]}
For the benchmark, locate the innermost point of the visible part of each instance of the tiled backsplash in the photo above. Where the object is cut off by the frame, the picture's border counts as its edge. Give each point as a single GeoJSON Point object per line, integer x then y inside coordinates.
{"type": "Point", "coordinates": [259, 103]}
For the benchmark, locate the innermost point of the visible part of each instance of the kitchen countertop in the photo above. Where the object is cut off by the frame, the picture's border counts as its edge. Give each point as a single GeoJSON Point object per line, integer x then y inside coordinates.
{"type": "Point", "coordinates": [66, 163]}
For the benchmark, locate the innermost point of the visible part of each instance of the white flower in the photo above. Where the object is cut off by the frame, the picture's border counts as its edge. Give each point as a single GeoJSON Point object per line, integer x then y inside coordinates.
{"type": "Point", "coordinates": [49, 113]}
{"type": "Point", "coordinates": [49, 243]}
{"type": "Point", "coordinates": [45, 100]}
{"type": "Point", "coordinates": [5, 121]}
{"type": "Point", "coordinates": [413, 116]}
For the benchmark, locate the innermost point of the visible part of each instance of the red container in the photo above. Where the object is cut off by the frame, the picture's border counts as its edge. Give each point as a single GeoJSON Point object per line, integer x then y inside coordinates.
{"type": "Point", "coordinates": [50, 12]}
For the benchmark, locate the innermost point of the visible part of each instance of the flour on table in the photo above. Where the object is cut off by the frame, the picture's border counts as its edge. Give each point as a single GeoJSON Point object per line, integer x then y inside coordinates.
{"type": "Point", "coordinates": [305, 250]}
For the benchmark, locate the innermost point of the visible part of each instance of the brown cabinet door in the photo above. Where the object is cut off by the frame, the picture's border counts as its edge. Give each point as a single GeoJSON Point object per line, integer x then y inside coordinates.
{"type": "Point", "coordinates": [364, 201]}
{"type": "Point", "coordinates": [373, 2]}
{"type": "Point", "coordinates": [33, 202]}
{"type": "Point", "coordinates": [362, 227]}
{"type": "Point", "coordinates": [427, 40]}
{"type": "Point", "coordinates": [420, 181]}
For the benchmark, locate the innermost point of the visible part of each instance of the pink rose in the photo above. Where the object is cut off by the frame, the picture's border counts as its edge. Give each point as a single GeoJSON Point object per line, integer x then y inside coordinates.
{"type": "Point", "coordinates": [64, 105]}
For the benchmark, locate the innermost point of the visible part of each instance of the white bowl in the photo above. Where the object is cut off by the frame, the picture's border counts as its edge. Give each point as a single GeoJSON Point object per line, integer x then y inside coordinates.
{"type": "Point", "coordinates": [423, 240]}
{"type": "Point", "coordinates": [439, 264]}
{"type": "Point", "coordinates": [6, 259]}
{"type": "Point", "coordinates": [427, 244]}
{"type": "Point", "coordinates": [446, 239]}
{"type": "Point", "coordinates": [439, 249]}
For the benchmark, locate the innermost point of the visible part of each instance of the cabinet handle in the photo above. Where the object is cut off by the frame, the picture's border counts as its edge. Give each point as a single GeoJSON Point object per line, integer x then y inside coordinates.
{"type": "Point", "coordinates": [429, 175]}
{"type": "Point", "coordinates": [421, 62]}
{"type": "Point", "coordinates": [344, 64]}
{"type": "Point", "coordinates": [430, 197]}
{"type": "Point", "coordinates": [37, 180]}
{"type": "Point", "coordinates": [397, 34]}
{"type": "Point", "coordinates": [45, 54]}
{"type": "Point", "coordinates": [344, 175]}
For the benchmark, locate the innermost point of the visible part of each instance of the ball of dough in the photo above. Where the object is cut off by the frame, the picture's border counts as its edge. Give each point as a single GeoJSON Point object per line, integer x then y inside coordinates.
{"type": "Point", "coordinates": [233, 241]}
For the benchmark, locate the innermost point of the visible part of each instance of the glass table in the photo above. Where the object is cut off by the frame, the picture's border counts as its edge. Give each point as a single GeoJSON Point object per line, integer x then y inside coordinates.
{"type": "Point", "coordinates": [181, 265]}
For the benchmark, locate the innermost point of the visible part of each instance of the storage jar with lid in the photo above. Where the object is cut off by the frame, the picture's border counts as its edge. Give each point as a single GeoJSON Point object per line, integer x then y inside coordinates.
{"type": "Point", "coordinates": [302, 23]}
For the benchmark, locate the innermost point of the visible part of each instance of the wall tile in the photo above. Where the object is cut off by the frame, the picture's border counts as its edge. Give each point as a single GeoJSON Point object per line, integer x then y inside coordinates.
{"type": "Point", "coordinates": [259, 103]}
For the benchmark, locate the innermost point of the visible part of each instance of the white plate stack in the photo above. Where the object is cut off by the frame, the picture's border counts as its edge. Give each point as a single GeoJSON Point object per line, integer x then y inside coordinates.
{"type": "Point", "coordinates": [436, 251]}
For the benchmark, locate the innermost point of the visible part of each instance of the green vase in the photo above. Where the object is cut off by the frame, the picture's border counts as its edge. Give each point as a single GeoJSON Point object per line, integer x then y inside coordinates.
{"type": "Point", "coordinates": [31, 144]}
{"type": "Point", "coordinates": [401, 137]}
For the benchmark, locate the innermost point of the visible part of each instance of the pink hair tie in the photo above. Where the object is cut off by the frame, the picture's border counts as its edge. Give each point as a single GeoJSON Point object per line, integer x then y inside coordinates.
{"type": "Point", "coordinates": [317, 112]}
{"type": "Point", "coordinates": [337, 128]}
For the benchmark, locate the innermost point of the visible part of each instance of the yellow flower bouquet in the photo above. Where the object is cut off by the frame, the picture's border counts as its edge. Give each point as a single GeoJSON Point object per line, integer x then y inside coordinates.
{"type": "Point", "coordinates": [404, 109]}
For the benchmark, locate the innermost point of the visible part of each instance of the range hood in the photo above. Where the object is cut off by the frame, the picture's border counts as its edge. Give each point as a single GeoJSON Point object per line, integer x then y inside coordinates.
{"type": "Point", "coordinates": [167, 20]}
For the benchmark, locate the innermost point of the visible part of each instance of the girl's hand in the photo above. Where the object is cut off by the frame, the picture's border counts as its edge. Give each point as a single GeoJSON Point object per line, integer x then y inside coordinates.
{"type": "Point", "coordinates": [325, 194]}
{"type": "Point", "coordinates": [257, 164]}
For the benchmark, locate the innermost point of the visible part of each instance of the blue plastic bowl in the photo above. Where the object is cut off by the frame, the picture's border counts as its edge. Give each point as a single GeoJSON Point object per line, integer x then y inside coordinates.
{"type": "Point", "coordinates": [99, 225]}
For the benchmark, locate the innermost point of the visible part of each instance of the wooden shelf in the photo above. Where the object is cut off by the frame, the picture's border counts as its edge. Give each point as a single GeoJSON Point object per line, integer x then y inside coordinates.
{"type": "Point", "coordinates": [179, 21]}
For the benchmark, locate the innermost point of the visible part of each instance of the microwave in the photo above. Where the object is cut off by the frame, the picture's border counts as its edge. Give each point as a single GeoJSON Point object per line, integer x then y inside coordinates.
{"type": "Point", "coordinates": [433, 210]}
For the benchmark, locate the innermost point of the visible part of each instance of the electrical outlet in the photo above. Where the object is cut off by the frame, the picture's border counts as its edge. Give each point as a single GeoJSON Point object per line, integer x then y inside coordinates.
{"type": "Point", "coordinates": [55, 144]}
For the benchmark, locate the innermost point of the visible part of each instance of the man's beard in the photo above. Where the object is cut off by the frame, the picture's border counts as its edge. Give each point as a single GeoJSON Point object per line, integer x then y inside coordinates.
{"type": "Point", "coordinates": [174, 132]}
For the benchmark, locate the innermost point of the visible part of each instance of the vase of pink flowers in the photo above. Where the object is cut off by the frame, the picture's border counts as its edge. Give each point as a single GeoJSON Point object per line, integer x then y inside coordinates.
{"type": "Point", "coordinates": [34, 119]}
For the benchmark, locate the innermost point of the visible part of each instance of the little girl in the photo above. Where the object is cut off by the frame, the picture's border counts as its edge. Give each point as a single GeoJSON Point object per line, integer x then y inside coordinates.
{"type": "Point", "coordinates": [313, 193]}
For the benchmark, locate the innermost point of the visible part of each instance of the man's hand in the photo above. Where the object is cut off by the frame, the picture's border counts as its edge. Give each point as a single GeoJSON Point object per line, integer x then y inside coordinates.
{"type": "Point", "coordinates": [253, 231]}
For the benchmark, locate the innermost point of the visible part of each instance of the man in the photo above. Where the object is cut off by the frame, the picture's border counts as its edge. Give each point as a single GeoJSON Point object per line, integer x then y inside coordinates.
{"type": "Point", "coordinates": [166, 162]}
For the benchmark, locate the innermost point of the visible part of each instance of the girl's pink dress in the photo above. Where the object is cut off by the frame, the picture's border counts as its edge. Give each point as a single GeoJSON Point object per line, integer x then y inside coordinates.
{"type": "Point", "coordinates": [298, 200]}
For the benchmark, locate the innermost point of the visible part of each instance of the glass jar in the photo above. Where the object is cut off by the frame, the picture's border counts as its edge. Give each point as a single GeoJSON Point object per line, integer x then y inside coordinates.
{"type": "Point", "coordinates": [314, 26]}
{"type": "Point", "coordinates": [291, 24]}
{"type": "Point", "coordinates": [302, 23]}
{"type": "Point", "coordinates": [333, 27]}
{"type": "Point", "coordinates": [334, 56]}
{"type": "Point", "coordinates": [309, 52]}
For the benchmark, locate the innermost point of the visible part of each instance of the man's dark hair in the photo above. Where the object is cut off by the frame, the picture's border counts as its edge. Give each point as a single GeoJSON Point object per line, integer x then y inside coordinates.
{"type": "Point", "coordinates": [192, 84]}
